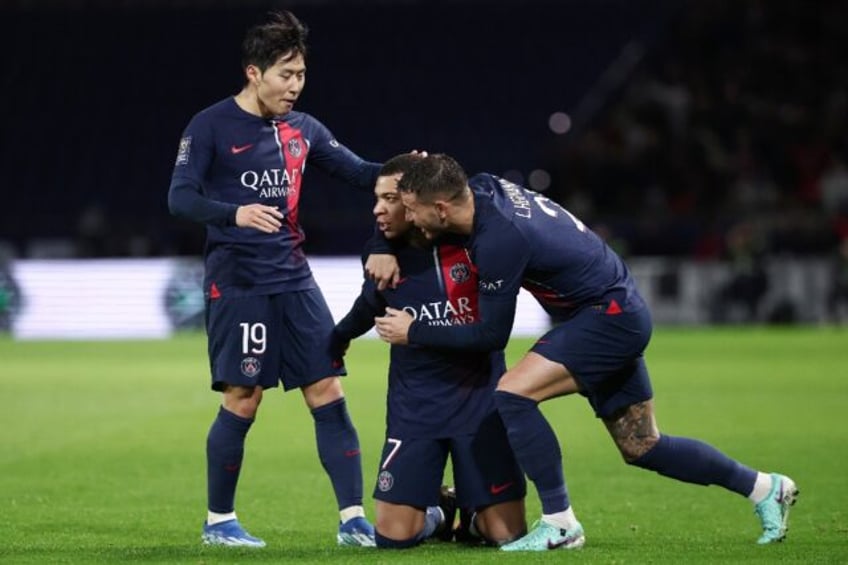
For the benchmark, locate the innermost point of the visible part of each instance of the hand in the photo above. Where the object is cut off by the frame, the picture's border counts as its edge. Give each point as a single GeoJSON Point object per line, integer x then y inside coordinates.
{"type": "Point", "coordinates": [264, 218]}
{"type": "Point", "coordinates": [338, 346]}
{"type": "Point", "coordinates": [383, 269]}
{"type": "Point", "coordinates": [394, 326]}
{"type": "Point", "coordinates": [417, 152]}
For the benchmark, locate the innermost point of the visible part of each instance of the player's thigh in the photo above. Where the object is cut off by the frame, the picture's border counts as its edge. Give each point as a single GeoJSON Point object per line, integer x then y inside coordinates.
{"type": "Point", "coordinates": [306, 326]}
{"type": "Point", "coordinates": [242, 342]}
{"type": "Point", "coordinates": [411, 471]}
{"type": "Point", "coordinates": [484, 467]}
{"type": "Point", "coordinates": [538, 378]}
{"type": "Point", "coordinates": [603, 353]}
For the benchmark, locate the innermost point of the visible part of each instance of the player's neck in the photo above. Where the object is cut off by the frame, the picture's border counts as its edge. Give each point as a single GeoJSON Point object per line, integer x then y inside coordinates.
{"type": "Point", "coordinates": [248, 101]}
{"type": "Point", "coordinates": [464, 223]}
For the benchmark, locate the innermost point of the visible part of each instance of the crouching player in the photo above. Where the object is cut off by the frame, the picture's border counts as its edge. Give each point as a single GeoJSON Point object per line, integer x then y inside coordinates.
{"type": "Point", "coordinates": [440, 402]}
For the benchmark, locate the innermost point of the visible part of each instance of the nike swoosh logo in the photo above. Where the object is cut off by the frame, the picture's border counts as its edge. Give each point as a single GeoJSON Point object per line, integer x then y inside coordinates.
{"type": "Point", "coordinates": [236, 149]}
{"type": "Point", "coordinates": [560, 543]}
{"type": "Point", "coordinates": [497, 489]}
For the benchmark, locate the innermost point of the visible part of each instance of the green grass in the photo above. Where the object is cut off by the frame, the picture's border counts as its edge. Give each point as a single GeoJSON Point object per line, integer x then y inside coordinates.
{"type": "Point", "coordinates": [102, 457]}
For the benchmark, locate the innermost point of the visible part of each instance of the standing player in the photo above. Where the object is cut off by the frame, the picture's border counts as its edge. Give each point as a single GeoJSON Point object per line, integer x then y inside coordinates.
{"type": "Point", "coordinates": [520, 238]}
{"type": "Point", "coordinates": [239, 171]}
{"type": "Point", "coordinates": [439, 401]}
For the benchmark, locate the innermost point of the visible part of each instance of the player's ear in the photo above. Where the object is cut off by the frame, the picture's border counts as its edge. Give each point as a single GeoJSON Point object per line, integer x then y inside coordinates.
{"type": "Point", "coordinates": [441, 210]}
{"type": "Point", "coordinates": [253, 74]}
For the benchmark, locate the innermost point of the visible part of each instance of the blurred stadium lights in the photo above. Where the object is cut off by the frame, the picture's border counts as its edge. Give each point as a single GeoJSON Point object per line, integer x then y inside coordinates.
{"type": "Point", "coordinates": [539, 180]}
{"type": "Point", "coordinates": [125, 5]}
{"type": "Point", "coordinates": [559, 122]}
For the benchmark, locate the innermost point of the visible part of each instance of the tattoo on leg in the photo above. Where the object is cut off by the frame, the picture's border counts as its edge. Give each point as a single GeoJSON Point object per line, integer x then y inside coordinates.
{"type": "Point", "coordinates": [634, 430]}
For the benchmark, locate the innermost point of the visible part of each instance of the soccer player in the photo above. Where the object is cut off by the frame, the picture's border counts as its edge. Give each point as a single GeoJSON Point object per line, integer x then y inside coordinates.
{"type": "Point", "coordinates": [239, 171]}
{"type": "Point", "coordinates": [439, 401]}
{"type": "Point", "coordinates": [520, 238]}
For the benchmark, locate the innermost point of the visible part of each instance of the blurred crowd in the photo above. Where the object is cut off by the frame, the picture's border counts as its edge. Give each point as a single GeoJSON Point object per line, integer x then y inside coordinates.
{"type": "Point", "coordinates": [728, 142]}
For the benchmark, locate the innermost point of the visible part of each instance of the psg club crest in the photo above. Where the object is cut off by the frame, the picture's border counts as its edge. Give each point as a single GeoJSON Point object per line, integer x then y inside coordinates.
{"type": "Point", "coordinates": [385, 481]}
{"type": "Point", "coordinates": [460, 273]}
{"type": "Point", "coordinates": [250, 367]}
{"type": "Point", "coordinates": [294, 147]}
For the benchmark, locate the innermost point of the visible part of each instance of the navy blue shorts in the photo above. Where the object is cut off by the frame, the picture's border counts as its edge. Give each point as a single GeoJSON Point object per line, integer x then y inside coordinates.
{"type": "Point", "coordinates": [485, 471]}
{"type": "Point", "coordinates": [262, 340]}
{"type": "Point", "coordinates": [604, 353]}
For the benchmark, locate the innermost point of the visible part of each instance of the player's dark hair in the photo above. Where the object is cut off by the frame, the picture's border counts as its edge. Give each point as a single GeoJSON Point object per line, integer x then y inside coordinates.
{"type": "Point", "coordinates": [399, 164]}
{"type": "Point", "coordinates": [434, 176]}
{"type": "Point", "coordinates": [283, 36]}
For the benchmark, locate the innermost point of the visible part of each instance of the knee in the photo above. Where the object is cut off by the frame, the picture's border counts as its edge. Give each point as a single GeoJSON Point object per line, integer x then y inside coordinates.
{"type": "Point", "coordinates": [243, 401]}
{"type": "Point", "coordinates": [322, 392]}
{"type": "Point", "coordinates": [634, 448]}
{"type": "Point", "coordinates": [499, 532]}
{"type": "Point", "coordinates": [501, 523]}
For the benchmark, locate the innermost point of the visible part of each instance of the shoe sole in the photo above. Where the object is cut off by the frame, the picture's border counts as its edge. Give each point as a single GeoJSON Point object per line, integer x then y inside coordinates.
{"type": "Point", "coordinates": [790, 497]}
{"type": "Point", "coordinates": [229, 542]}
{"type": "Point", "coordinates": [574, 544]}
{"type": "Point", "coordinates": [355, 540]}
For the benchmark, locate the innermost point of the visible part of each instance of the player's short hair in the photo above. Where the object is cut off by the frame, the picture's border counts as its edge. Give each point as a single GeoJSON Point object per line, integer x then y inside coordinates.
{"type": "Point", "coordinates": [434, 176]}
{"type": "Point", "coordinates": [399, 164]}
{"type": "Point", "coordinates": [282, 36]}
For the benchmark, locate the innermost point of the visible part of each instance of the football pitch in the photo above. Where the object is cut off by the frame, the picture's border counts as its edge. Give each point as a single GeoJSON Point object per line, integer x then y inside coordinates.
{"type": "Point", "coordinates": [103, 458]}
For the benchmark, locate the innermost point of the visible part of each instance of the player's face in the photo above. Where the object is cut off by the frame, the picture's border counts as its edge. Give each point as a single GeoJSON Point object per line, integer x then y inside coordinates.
{"type": "Point", "coordinates": [389, 210]}
{"type": "Point", "coordinates": [425, 216]}
{"type": "Point", "coordinates": [280, 85]}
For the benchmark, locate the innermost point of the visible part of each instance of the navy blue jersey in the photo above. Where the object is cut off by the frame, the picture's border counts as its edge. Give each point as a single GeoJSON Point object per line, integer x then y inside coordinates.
{"type": "Point", "coordinates": [228, 158]}
{"type": "Point", "coordinates": [523, 239]}
{"type": "Point", "coordinates": [432, 393]}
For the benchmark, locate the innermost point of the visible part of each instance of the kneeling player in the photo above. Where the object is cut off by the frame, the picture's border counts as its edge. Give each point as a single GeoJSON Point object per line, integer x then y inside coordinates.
{"type": "Point", "coordinates": [440, 402]}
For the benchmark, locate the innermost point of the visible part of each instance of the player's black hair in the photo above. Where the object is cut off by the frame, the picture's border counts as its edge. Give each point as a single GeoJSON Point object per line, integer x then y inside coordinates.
{"type": "Point", "coordinates": [283, 36]}
{"type": "Point", "coordinates": [434, 176]}
{"type": "Point", "coordinates": [399, 164]}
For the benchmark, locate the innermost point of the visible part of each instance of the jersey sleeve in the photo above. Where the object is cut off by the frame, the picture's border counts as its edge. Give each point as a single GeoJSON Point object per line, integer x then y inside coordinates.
{"type": "Point", "coordinates": [500, 259]}
{"type": "Point", "coordinates": [338, 161]}
{"type": "Point", "coordinates": [360, 318]}
{"type": "Point", "coordinates": [186, 198]}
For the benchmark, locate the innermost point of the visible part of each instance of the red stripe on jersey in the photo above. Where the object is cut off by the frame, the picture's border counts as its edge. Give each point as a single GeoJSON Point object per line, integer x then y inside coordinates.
{"type": "Point", "coordinates": [294, 150]}
{"type": "Point", "coordinates": [460, 278]}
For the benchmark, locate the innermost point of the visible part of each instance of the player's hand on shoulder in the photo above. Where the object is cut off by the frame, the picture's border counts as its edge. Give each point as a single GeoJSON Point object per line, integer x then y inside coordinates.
{"type": "Point", "coordinates": [260, 217]}
{"type": "Point", "coordinates": [383, 269]}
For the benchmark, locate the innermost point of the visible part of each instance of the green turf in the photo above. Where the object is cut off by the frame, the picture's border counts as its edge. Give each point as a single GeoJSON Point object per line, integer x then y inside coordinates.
{"type": "Point", "coordinates": [102, 457]}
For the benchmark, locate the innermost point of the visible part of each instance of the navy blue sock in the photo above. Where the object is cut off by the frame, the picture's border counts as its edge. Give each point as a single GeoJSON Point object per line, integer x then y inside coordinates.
{"type": "Point", "coordinates": [693, 461]}
{"type": "Point", "coordinates": [224, 453]}
{"type": "Point", "coordinates": [536, 448]}
{"type": "Point", "coordinates": [338, 450]}
{"type": "Point", "coordinates": [388, 543]}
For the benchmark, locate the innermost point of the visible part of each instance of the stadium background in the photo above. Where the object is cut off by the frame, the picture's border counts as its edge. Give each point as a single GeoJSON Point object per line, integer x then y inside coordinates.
{"type": "Point", "coordinates": [706, 140]}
